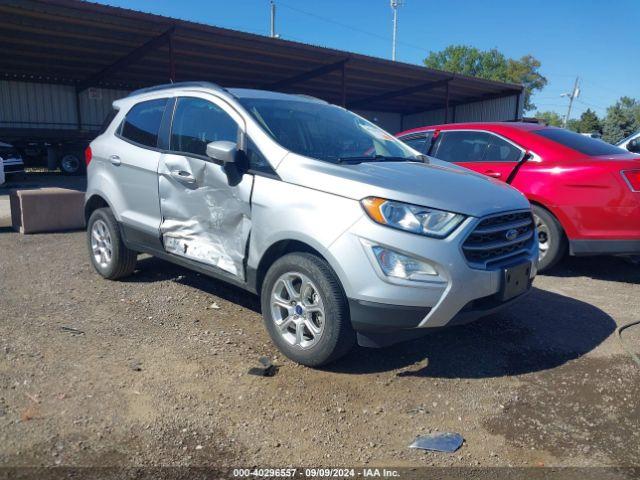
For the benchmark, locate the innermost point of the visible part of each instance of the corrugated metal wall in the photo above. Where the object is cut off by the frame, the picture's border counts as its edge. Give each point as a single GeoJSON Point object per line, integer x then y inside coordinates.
{"type": "Point", "coordinates": [50, 106]}
{"type": "Point", "coordinates": [43, 105]}
{"type": "Point", "coordinates": [95, 104]}
{"type": "Point", "coordinates": [498, 109]}
{"type": "Point", "coordinates": [37, 105]}
{"type": "Point", "coordinates": [389, 121]}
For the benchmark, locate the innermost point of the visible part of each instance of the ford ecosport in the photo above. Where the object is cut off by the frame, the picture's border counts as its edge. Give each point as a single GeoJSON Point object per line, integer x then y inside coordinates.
{"type": "Point", "coordinates": [346, 233]}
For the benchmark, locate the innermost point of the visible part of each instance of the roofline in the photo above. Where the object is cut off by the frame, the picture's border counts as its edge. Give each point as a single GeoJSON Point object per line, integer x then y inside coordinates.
{"type": "Point", "coordinates": [175, 22]}
{"type": "Point", "coordinates": [177, 85]}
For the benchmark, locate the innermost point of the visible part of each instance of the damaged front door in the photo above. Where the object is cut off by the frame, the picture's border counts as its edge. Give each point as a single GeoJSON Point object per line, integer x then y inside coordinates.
{"type": "Point", "coordinates": [205, 206]}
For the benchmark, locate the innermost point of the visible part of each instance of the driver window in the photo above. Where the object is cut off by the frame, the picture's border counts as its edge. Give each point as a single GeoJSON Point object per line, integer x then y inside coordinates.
{"type": "Point", "coordinates": [197, 122]}
{"type": "Point", "coordinates": [462, 146]}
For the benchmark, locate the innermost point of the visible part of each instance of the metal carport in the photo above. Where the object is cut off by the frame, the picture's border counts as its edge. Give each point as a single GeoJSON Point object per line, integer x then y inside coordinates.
{"type": "Point", "coordinates": [82, 45]}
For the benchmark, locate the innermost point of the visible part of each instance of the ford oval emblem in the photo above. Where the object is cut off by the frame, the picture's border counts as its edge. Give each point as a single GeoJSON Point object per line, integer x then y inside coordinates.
{"type": "Point", "coordinates": [511, 234]}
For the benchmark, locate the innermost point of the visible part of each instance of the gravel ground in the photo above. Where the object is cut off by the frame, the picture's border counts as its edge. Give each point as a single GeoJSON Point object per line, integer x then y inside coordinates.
{"type": "Point", "coordinates": [153, 371]}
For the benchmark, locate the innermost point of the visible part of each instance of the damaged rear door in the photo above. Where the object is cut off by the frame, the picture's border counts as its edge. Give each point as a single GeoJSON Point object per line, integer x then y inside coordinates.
{"type": "Point", "coordinates": [205, 205]}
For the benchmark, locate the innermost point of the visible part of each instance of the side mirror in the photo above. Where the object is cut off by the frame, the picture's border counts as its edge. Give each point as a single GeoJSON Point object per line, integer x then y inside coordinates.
{"type": "Point", "coordinates": [223, 151]}
{"type": "Point", "coordinates": [634, 145]}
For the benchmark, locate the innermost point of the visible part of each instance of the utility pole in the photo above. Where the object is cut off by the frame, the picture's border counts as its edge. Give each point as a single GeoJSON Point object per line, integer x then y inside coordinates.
{"type": "Point", "coordinates": [395, 4]}
{"type": "Point", "coordinates": [273, 19]}
{"type": "Point", "coordinates": [572, 96]}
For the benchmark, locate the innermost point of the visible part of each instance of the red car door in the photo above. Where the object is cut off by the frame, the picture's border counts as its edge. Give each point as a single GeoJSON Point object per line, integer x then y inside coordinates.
{"type": "Point", "coordinates": [483, 152]}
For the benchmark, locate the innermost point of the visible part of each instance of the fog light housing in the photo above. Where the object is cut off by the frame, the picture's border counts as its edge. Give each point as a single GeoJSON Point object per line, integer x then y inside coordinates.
{"type": "Point", "coordinates": [397, 265]}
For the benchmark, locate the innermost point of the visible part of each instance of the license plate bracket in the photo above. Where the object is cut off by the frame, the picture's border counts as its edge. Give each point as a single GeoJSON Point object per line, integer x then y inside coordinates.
{"type": "Point", "coordinates": [515, 281]}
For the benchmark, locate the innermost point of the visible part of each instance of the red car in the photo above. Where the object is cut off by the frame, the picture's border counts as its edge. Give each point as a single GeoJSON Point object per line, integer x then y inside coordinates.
{"type": "Point", "coordinates": [585, 193]}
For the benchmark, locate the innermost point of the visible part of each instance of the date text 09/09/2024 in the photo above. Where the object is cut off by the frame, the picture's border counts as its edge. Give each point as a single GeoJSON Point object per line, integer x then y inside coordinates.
{"type": "Point", "coordinates": [316, 473]}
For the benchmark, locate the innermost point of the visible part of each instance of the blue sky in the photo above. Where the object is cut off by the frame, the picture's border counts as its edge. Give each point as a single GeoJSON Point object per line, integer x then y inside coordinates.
{"type": "Point", "coordinates": [597, 40]}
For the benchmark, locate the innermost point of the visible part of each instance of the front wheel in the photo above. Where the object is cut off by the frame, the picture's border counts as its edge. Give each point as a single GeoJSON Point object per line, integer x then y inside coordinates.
{"type": "Point", "coordinates": [551, 238]}
{"type": "Point", "coordinates": [305, 310]}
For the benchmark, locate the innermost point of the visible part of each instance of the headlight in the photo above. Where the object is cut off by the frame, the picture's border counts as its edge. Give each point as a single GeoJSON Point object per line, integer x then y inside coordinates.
{"type": "Point", "coordinates": [395, 264]}
{"type": "Point", "coordinates": [412, 218]}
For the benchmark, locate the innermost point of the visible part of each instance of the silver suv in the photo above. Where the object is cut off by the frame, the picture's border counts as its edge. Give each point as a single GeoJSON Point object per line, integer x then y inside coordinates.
{"type": "Point", "coordinates": [346, 233]}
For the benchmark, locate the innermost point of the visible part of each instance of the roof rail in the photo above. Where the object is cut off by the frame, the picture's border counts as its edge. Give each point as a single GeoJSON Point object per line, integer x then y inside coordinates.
{"type": "Point", "coordinates": [169, 86]}
{"type": "Point", "coordinates": [310, 97]}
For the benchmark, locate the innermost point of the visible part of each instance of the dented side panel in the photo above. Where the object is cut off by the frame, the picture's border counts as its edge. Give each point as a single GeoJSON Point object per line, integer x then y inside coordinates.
{"type": "Point", "coordinates": [209, 219]}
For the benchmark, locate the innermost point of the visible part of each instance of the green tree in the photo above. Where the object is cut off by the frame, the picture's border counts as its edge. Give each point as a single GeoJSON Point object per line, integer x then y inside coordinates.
{"type": "Point", "coordinates": [491, 65]}
{"type": "Point", "coordinates": [574, 125]}
{"type": "Point", "coordinates": [589, 122]}
{"type": "Point", "coordinates": [550, 118]}
{"type": "Point", "coordinates": [623, 119]}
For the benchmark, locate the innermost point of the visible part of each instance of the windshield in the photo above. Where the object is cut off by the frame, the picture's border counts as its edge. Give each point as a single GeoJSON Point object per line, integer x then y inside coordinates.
{"type": "Point", "coordinates": [581, 143]}
{"type": "Point", "coordinates": [326, 132]}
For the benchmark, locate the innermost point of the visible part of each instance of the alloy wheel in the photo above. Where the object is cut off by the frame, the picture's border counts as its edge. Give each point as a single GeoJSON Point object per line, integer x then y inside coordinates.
{"type": "Point", "coordinates": [544, 237]}
{"type": "Point", "coordinates": [297, 310]}
{"type": "Point", "coordinates": [101, 245]}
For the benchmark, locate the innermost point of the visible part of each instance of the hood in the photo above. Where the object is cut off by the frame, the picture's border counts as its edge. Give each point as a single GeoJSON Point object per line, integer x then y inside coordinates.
{"type": "Point", "coordinates": [436, 184]}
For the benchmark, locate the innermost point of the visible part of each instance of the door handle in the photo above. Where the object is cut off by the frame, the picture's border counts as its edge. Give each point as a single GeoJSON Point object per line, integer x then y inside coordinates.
{"type": "Point", "coordinates": [115, 159]}
{"type": "Point", "coordinates": [183, 176]}
{"type": "Point", "coordinates": [493, 174]}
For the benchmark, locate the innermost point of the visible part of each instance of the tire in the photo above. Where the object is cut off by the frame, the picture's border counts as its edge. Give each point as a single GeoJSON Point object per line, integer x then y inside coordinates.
{"type": "Point", "coordinates": [553, 241]}
{"type": "Point", "coordinates": [121, 262]}
{"type": "Point", "coordinates": [320, 313]}
{"type": "Point", "coordinates": [71, 163]}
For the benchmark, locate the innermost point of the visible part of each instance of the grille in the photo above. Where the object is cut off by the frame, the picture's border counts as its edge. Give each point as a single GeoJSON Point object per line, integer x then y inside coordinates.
{"type": "Point", "coordinates": [499, 240]}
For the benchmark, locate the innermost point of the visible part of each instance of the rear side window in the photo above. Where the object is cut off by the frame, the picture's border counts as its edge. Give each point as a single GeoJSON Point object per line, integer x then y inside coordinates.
{"type": "Point", "coordinates": [581, 143]}
{"type": "Point", "coordinates": [470, 146]}
{"type": "Point", "coordinates": [499, 150]}
{"type": "Point", "coordinates": [142, 123]}
{"type": "Point", "coordinates": [421, 142]}
{"type": "Point", "coordinates": [197, 122]}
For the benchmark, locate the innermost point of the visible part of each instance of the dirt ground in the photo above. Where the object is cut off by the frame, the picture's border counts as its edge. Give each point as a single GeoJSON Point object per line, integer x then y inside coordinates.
{"type": "Point", "coordinates": [152, 371]}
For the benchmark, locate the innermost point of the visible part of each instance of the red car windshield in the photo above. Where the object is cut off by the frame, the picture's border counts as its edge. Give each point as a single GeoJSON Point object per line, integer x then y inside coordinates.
{"type": "Point", "coordinates": [581, 143]}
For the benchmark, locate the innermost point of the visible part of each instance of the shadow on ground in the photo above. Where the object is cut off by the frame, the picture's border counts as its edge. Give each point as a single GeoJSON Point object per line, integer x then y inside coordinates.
{"type": "Point", "coordinates": [614, 269]}
{"type": "Point", "coordinates": [542, 331]}
{"type": "Point", "coordinates": [152, 269]}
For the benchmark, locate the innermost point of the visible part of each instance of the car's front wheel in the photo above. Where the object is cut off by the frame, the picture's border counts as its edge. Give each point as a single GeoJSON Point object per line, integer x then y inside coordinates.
{"type": "Point", "coordinates": [109, 255]}
{"type": "Point", "coordinates": [305, 310]}
{"type": "Point", "coordinates": [551, 238]}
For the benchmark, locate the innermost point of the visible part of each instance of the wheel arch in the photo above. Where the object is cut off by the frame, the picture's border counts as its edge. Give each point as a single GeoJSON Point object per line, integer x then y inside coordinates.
{"type": "Point", "coordinates": [554, 212]}
{"type": "Point", "coordinates": [93, 203]}
{"type": "Point", "coordinates": [283, 247]}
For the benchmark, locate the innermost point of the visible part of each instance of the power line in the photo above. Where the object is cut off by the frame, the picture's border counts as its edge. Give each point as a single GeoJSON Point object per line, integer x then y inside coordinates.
{"type": "Point", "coordinates": [591, 82]}
{"type": "Point", "coordinates": [351, 27]}
{"type": "Point", "coordinates": [591, 104]}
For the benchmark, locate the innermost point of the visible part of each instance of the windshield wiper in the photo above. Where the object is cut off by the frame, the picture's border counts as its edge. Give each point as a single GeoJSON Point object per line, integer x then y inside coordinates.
{"type": "Point", "coordinates": [377, 158]}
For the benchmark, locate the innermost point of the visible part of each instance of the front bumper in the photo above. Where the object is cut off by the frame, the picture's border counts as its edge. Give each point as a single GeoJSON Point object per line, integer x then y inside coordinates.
{"type": "Point", "coordinates": [459, 293]}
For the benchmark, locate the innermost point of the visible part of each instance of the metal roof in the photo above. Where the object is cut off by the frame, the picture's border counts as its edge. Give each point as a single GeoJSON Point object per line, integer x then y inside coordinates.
{"type": "Point", "coordinates": [88, 44]}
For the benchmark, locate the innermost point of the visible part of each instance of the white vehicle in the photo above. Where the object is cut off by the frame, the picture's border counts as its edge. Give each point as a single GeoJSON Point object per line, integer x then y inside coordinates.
{"type": "Point", "coordinates": [345, 232]}
{"type": "Point", "coordinates": [11, 161]}
{"type": "Point", "coordinates": [592, 135]}
{"type": "Point", "coordinates": [630, 143]}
